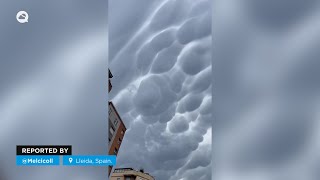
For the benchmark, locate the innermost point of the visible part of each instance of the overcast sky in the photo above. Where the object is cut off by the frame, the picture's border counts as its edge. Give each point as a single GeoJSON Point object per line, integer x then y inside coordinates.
{"type": "Point", "coordinates": [160, 57]}
{"type": "Point", "coordinates": [266, 74]}
{"type": "Point", "coordinates": [53, 83]}
{"type": "Point", "coordinates": [266, 89]}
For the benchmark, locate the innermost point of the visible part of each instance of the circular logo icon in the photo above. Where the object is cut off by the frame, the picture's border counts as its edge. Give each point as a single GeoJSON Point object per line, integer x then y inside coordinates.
{"type": "Point", "coordinates": [24, 161]}
{"type": "Point", "coordinates": [22, 17]}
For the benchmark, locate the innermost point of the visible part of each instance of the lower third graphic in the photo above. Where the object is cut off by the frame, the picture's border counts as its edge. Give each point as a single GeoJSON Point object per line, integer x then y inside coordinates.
{"type": "Point", "coordinates": [37, 160]}
{"type": "Point", "coordinates": [89, 160]}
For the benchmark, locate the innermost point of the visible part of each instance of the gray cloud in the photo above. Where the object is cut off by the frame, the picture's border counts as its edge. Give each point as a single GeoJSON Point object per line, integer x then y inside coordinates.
{"type": "Point", "coordinates": [162, 89]}
{"type": "Point", "coordinates": [266, 89]}
{"type": "Point", "coordinates": [53, 84]}
{"type": "Point", "coordinates": [178, 124]}
{"type": "Point", "coordinates": [278, 14]}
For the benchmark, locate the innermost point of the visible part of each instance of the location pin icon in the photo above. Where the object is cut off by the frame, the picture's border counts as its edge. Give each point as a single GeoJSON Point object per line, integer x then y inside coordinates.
{"type": "Point", "coordinates": [70, 160]}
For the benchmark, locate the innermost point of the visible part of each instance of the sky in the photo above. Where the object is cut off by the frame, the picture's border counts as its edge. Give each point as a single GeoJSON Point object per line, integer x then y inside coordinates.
{"type": "Point", "coordinates": [266, 89]}
{"type": "Point", "coordinates": [53, 84]}
{"type": "Point", "coordinates": [264, 82]}
{"type": "Point", "coordinates": [160, 58]}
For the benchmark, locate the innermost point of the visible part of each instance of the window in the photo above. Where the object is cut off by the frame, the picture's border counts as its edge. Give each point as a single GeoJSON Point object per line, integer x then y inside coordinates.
{"type": "Point", "coordinates": [115, 151]}
{"type": "Point", "coordinates": [115, 122]}
{"type": "Point", "coordinates": [111, 130]}
{"type": "Point", "coordinates": [119, 141]}
{"type": "Point", "coordinates": [118, 178]}
{"type": "Point", "coordinates": [110, 136]}
{"type": "Point", "coordinates": [127, 178]}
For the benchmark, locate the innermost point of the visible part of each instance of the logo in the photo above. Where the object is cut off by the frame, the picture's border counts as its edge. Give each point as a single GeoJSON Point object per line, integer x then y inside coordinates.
{"type": "Point", "coordinates": [22, 17]}
{"type": "Point", "coordinates": [24, 161]}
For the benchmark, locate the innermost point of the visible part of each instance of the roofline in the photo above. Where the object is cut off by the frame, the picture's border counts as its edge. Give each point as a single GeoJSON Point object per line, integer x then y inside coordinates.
{"type": "Point", "coordinates": [131, 169]}
{"type": "Point", "coordinates": [123, 168]}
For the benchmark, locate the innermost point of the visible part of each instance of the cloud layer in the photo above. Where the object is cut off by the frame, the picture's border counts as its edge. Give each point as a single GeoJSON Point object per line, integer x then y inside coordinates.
{"type": "Point", "coordinates": [162, 86]}
{"type": "Point", "coordinates": [266, 89]}
{"type": "Point", "coordinates": [53, 84]}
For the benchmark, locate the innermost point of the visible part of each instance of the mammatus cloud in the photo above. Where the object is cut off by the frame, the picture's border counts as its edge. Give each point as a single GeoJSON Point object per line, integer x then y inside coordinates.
{"type": "Point", "coordinates": [162, 86]}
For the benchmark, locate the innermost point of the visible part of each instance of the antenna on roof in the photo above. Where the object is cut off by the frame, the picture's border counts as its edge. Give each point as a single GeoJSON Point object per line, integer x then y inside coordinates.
{"type": "Point", "coordinates": [141, 170]}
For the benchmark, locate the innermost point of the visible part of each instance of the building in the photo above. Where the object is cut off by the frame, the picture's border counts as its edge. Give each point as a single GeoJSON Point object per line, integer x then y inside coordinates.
{"type": "Point", "coordinates": [130, 174]}
{"type": "Point", "coordinates": [117, 130]}
{"type": "Point", "coordinates": [116, 127]}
